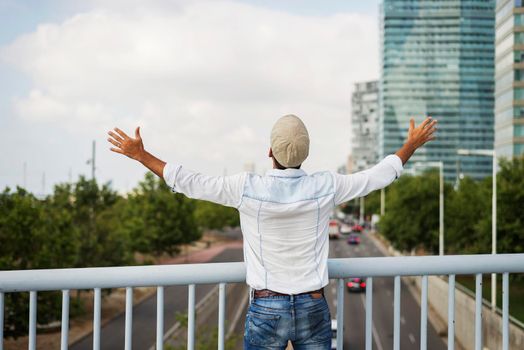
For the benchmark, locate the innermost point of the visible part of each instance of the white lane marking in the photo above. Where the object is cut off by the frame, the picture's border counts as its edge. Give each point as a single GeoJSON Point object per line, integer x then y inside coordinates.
{"type": "Point", "coordinates": [373, 329]}
{"type": "Point", "coordinates": [411, 338]}
{"type": "Point", "coordinates": [402, 320]}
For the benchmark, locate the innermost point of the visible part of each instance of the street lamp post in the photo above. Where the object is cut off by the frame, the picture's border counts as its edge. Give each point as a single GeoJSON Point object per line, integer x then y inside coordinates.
{"type": "Point", "coordinates": [489, 153]}
{"type": "Point", "coordinates": [382, 202]}
{"type": "Point", "coordinates": [439, 165]}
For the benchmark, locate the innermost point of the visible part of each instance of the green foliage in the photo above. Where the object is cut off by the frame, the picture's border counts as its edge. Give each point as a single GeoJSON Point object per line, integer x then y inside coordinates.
{"type": "Point", "coordinates": [158, 220]}
{"type": "Point", "coordinates": [510, 206]}
{"type": "Point", "coordinates": [85, 224]}
{"type": "Point", "coordinates": [213, 216]}
{"type": "Point", "coordinates": [411, 218]}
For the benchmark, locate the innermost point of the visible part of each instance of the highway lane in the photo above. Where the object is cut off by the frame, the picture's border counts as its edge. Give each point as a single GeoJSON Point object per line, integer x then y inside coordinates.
{"type": "Point", "coordinates": [354, 307]}
{"type": "Point", "coordinates": [144, 314]}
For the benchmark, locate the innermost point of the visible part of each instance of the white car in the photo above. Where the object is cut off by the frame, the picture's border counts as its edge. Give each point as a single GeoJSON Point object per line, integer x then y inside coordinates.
{"type": "Point", "coordinates": [333, 334]}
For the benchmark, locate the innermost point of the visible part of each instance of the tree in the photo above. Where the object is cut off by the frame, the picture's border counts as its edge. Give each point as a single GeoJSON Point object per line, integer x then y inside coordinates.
{"type": "Point", "coordinates": [412, 218]}
{"type": "Point", "coordinates": [510, 200]}
{"type": "Point", "coordinates": [157, 220]}
{"type": "Point", "coordinates": [209, 215]}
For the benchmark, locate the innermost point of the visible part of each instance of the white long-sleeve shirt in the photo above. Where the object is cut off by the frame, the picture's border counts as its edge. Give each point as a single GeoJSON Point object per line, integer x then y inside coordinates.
{"type": "Point", "coordinates": [284, 216]}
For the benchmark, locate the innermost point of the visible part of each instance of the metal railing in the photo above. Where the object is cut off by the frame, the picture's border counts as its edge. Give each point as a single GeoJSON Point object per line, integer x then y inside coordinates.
{"type": "Point", "coordinates": [33, 281]}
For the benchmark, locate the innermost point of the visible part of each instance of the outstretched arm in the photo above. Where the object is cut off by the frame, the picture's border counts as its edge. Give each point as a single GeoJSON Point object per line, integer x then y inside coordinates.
{"type": "Point", "coordinates": [225, 190]}
{"type": "Point", "coordinates": [417, 137]}
{"type": "Point", "coordinates": [134, 149]}
{"type": "Point", "coordinates": [381, 175]}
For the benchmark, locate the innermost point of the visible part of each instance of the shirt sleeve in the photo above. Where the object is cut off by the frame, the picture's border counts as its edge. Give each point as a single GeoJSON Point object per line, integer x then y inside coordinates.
{"type": "Point", "coordinates": [360, 184]}
{"type": "Point", "coordinates": [224, 190]}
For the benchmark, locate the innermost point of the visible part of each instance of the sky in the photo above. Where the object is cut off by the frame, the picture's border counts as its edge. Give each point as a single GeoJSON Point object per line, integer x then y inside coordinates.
{"type": "Point", "coordinates": [205, 81]}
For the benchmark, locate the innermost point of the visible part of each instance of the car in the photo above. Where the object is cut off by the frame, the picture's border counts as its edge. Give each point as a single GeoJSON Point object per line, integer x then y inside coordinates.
{"type": "Point", "coordinates": [333, 334]}
{"type": "Point", "coordinates": [334, 229]}
{"type": "Point", "coordinates": [357, 228]}
{"type": "Point", "coordinates": [353, 239]}
{"type": "Point", "coordinates": [356, 284]}
{"type": "Point", "coordinates": [345, 229]}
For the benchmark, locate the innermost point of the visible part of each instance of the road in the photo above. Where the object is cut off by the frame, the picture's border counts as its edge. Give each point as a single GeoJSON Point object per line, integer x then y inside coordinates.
{"type": "Point", "coordinates": [144, 314]}
{"type": "Point", "coordinates": [354, 307]}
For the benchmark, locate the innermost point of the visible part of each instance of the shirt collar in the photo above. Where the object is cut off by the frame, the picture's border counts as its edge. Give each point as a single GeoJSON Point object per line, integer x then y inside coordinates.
{"type": "Point", "coordinates": [290, 172]}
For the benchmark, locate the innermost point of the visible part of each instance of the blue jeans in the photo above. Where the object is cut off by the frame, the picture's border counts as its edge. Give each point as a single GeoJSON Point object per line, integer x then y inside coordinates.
{"type": "Point", "coordinates": [272, 321]}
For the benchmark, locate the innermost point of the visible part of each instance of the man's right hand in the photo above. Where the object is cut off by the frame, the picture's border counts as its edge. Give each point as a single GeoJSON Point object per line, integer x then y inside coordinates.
{"type": "Point", "coordinates": [417, 137]}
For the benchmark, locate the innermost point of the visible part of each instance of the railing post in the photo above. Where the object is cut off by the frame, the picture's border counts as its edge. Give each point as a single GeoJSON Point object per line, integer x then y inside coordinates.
{"type": "Point", "coordinates": [424, 314]}
{"type": "Point", "coordinates": [369, 313]}
{"type": "Point", "coordinates": [96, 318]}
{"type": "Point", "coordinates": [64, 335]}
{"type": "Point", "coordinates": [1, 321]}
{"type": "Point", "coordinates": [451, 312]}
{"type": "Point", "coordinates": [396, 315]}
{"type": "Point", "coordinates": [505, 311]}
{"type": "Point", "coordinates": [128, 344]}
{"type": "Point", "coordinates": [340, 313]}
{"type": "Point", "coordinates": [160, 318]}
{"type": "Point", "coordinates": [478, 311]}
{"type": "Point", "coordinates": [32, 320]}
{"type": "Point", "coordinates": [221, 314]}
{"type": "Point", "coordinates": [191, 317]}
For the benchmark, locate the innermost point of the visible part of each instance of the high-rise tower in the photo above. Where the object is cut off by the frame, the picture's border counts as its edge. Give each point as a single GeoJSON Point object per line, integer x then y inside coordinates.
{"type": "Point", "coordinates": [437, 59]}
{"type": "Point", "coordinates": [509, 78]}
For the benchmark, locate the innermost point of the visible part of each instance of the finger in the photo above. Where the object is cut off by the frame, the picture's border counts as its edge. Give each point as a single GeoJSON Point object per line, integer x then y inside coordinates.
{"type": "Point", "coordinates": [425, 122]}
{"type": "Point", "coordinates": [430, 131]}
{"type": "Point", "coordinates": [121, 133]}
{"type": "Point", "coordinates": [411, 124]}
{"type": "Point", "coordinates": [117, 150]}
{"type": "Point", "coordinates": [432, 124]}
{"type": "Point", "coordinates": [137, 133]}
{"type": "Point", "coordinates": [116, 137]}
{"type": "Point", "coordinates": [117, 144]}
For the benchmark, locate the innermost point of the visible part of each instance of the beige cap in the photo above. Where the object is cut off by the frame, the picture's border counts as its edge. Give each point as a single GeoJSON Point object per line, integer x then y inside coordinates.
{"type": "Point", "coordinates": [290, 141]}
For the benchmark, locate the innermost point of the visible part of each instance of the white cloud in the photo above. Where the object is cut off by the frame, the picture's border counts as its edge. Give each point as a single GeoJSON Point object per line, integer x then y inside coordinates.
{"type": "Point", "coordinates": [205, 80]}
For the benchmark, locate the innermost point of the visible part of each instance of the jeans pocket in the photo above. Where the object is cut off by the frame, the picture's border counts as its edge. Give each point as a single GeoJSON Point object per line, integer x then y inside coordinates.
{"type": "Point", "coordinates": [262, 328]}
{"type": "Point", "coordinates": [320, 325]}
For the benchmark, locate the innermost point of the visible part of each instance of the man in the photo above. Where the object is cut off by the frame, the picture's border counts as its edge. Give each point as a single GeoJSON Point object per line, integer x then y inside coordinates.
{"type": "Point", "coordinates": [284, 217]}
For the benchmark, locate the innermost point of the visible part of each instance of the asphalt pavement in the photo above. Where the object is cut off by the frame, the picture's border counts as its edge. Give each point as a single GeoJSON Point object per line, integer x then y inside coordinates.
{"type": "Point", "coordinates": [354, 306]}
{"type": "Point", "coordinates": [144, 314]}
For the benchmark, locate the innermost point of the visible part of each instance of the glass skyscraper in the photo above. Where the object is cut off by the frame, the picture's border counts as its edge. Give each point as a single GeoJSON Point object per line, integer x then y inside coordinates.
{"type": "Point", "coordinates": [437, 59]}
{"type": "Point", "coordinates": [509, 78]}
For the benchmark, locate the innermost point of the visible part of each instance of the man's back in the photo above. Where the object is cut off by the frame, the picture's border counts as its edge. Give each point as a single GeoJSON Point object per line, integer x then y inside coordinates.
{"type": "Point", "coordinates": [284, 216]}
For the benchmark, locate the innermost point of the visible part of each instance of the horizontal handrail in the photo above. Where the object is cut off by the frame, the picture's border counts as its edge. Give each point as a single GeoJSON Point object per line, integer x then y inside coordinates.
{"type": "Point", "coordinates": [212, 273]}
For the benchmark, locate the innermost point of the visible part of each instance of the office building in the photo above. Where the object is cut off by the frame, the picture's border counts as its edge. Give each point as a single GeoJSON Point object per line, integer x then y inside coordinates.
{"type": "Point", "coordinates": [509, 78]}
{"type": "Point", "coordinates": [437, 59]}
{"type": "Point", "coordinates": [364, 119]}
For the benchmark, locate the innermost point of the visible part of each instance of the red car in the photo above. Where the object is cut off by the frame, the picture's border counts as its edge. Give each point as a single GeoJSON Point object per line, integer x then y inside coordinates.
{"type": "Point", "coordinates": [357, 228]}
{"type": "Point", "coordinates": [356, 285]}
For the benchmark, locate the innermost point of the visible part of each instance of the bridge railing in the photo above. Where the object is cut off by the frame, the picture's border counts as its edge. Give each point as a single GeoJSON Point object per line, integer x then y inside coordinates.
{"type": "Point", "coordinates": [33, 281]}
